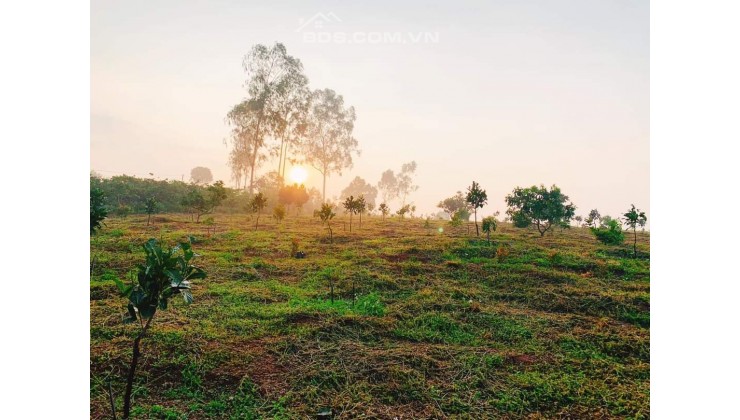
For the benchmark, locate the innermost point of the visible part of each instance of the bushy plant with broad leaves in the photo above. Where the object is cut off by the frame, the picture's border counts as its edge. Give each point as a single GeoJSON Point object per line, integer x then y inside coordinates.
{"type": "Point", "coordinates": [360, 207]}
{"type": "Point", "coordinates": [633, 218]}
{"type": "Point", "coordinates": [350, 206]}
{"type": "Point", "coordinates": [279, 213]}
{"type": "Point", "coordinates": [403, 210]}
{"type": "Point", "coordinates": [256, 205]}
{"type": "Point", "coordinates": [540, 207]}
{"type": "Point", "coordinates": [200, 202]}
{"type": "Point", "coordinates": [459, 217]}
{"type": "Point", "coordinates": [164, 274]}
{"type": "Point", "coordinates": [150, 207]}
{"type": "Point", "coordinates": [384, 210]}
{"type": "Point", "coordinates": [476, 198]}
{"type": "Point", "coordinates": [326, 213]}
{"type": "Point", "coordinates": [489, 225]}
{"type": "Point", "coordinates": [98, 211]}
{"type": "Point", "coordinates": [610, 232]}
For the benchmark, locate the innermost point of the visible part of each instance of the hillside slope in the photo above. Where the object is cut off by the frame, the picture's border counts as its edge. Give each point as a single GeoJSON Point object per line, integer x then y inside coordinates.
{"type": "Point", "coordinates": [443, 325]}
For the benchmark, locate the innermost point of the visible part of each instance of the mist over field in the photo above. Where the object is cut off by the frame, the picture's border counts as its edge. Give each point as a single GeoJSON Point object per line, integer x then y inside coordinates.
{"type": "Point", "coordinates": [509, 94]}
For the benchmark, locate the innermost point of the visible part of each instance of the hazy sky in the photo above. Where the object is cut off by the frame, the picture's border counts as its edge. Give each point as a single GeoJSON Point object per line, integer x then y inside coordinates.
{"type": "Point", "coordinates": [507, 93]}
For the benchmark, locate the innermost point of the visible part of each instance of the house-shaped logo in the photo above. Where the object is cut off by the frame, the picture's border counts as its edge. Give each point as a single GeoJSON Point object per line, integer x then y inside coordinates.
{"type": "Point", "coordinates": [317, 21]}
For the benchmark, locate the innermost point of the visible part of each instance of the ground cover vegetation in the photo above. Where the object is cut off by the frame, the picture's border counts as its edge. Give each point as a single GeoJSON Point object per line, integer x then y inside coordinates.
{"type": "Point", "coordinates": [402, 318]}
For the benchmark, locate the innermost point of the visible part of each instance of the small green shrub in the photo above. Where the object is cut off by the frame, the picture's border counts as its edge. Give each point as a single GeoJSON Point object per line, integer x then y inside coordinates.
{"type": "Point", "coordinates": [489, 225]}
{"type": "Point", "coordinates": [279, 213]}
{"type": "Point", "coordinates": [151, 206]}
{"type": "Point", "coordinates": [164, 274]}
{"type": "Point", "coordinates": [98, 211]}
{"type": "Point", "coordinates": [123, 210]}
{"type": "Point", "coordinates": [609, 233]}
{"type": "Point", "coordinates": [326, 214]}
{"type": "Point", "coordinates": [370, 304]}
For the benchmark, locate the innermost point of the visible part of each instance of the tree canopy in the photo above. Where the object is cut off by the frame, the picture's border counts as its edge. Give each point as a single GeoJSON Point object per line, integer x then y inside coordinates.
{"type": "Point", "coordinates": [634, 218]}
{"type": "Point", "coordinates": [360, 188]}
{"type": "Point", "coordinates": [275, 86]}
{"type": "Point", "coordinates": [399, 185]}
{"type": "Point", "coordinates": [452, 205]}
{"type": "Point", "coordinates": [201, 202]}
{"type": "Point", "coordinates": [476, 198]}
{"type": "Point", "coordinates": [388, 186]}
{"type": "Point", "coordinates": [540, 207]}
{"type": "Point", "coordinates": [293, 195]}
{"type": "Point", "coordinates": [201, 175]}
{"type": "Point", "coordinates": [329, 143]}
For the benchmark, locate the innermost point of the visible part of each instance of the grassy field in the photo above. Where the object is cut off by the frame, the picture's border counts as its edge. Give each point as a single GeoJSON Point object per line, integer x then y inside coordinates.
{"type": "Point", "coordinates": [443, 324]}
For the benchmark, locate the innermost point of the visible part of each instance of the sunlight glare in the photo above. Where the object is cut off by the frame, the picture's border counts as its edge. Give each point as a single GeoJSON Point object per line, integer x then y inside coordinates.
{"type": "Point", "coordinates": [298, 174]}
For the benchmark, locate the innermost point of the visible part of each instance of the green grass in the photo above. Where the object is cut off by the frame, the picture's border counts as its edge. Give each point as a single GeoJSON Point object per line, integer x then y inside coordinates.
{"type": "Point", "coordinates": [423, 324]}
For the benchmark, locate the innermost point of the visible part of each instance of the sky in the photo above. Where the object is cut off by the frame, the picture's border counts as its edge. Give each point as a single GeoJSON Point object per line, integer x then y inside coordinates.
{"type": "Point", "coordinates": [503, 93]}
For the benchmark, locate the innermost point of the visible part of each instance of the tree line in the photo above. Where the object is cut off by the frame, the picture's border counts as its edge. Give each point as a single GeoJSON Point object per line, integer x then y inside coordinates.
{"type": "Point", "coordinates": [123, 195]}
{"type": "Point", "coordinates": [542, 209]}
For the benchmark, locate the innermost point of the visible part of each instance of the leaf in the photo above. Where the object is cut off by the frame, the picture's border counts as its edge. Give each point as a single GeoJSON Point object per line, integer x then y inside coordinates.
{"type": "Point", "coordinates": [124, 289]}
{"type": "Point", "coordinates": [175, 276]}
{"type": "Point", "coordinates": [168, 293]}
{"type": "Point", "coordinates": [131, 313]}
{"type": "Point", "coordinates": [180, 286]}
{"type": "Point", "coordinates": [187, 251]}
{"type": "Point", "coordinates": [197, 273]}
{"type": "Point", "coordinates": [147, 311]}
{"type": "Point", "coordinates": [187, 296]}
{"type": "Point", "coordinates": [137, 297]}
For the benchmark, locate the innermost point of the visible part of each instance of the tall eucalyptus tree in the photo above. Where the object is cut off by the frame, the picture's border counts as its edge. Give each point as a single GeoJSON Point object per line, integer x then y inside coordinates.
{"type": "Point", "coordinates": [273, 80]}
{"type": "Point", "coordinates": [328, 144]}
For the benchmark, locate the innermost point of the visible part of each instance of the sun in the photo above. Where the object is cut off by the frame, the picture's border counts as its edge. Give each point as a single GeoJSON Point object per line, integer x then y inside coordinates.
{"type": "Point", "coordinates": [298, 174]}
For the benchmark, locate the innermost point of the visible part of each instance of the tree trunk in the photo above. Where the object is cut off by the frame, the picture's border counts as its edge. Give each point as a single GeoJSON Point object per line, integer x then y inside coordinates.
{"type": "Point", "coordinates": [350, 222]}
{"type": "Point", "coordinates": [255, 153]}
{"type": "Point", "coordinates": [257, 222]}
{"type": "Point", "coordinates": [280, 158]}
{"type": "Point", "coordinates": [475, 217]}
{"type": "Point", "coordinates": [285, 158]}
{"type": "Point", "coordinates": [148, 218]}
{"type": "Point", "coordinates": [132, 370]}
{"type": "Point", "coordinates": [634, 248]}
{"type": "Point", "coordinates": [251, 176]}
{"type": "Point", "coordinates": [323, 193]}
